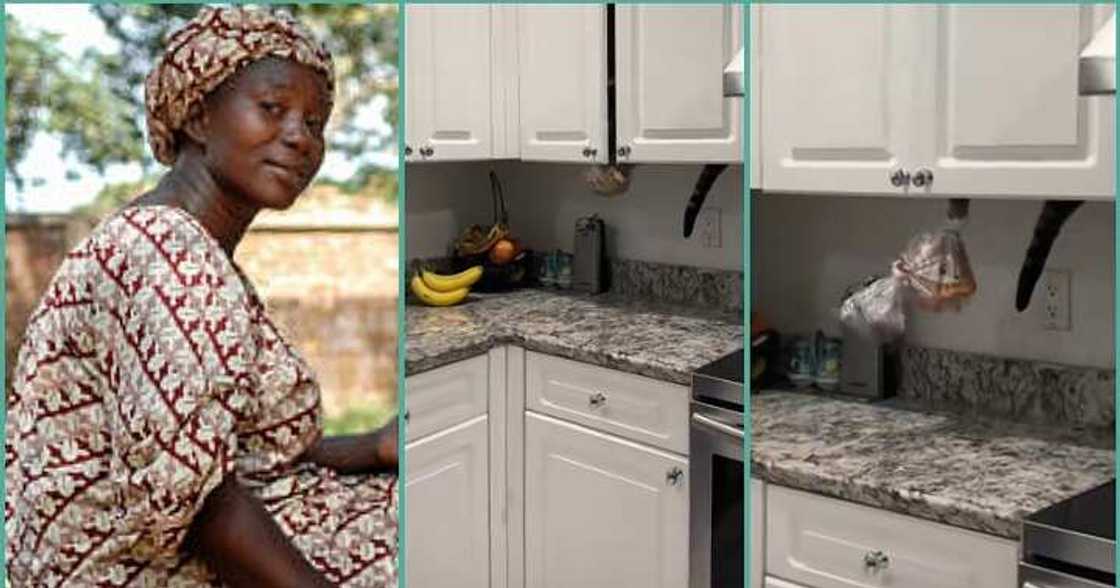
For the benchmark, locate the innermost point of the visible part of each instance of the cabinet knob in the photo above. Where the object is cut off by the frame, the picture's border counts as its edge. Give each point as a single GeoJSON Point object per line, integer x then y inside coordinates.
{"type": "Point", "coordinates": [597, 400]}
{"type": "Point", "coordinates": [923, 177]}
{"type": "Point", "coordinates": [624, 151]}
{"type": "Point", "coordinates": [674, 476]}
{"type": "Point", "coordinates": [427, 151]}
{"type": "Point", "coordinates": [876, 560]}
{"type": "Point", "coordinates": [408, 150]}
{"type": "Point", "coordinates": [589, 151]}
{"type": "Point", "coordinates": [900, 178]}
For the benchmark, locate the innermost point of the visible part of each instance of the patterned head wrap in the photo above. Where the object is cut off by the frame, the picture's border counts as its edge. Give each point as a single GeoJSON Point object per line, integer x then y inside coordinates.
{"type": "Point", "coordinates": [214, 45]}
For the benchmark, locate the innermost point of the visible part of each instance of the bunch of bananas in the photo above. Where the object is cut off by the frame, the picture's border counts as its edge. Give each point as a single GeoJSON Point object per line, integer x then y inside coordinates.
{"type": "Point", "coordinates": [476, 240]}
{"type": "Point", "coordinates": [439, 290]}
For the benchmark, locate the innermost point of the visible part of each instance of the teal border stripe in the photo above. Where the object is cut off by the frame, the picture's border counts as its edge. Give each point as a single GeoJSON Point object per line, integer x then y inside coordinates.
{"type": "Point", "coordinates": [746, 130]}
{"type": "Point", "coordinates": [402, 278]}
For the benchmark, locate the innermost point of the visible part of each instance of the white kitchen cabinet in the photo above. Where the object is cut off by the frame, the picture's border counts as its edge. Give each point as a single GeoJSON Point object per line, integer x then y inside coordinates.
{"type": "Point", "coordinates": [1000, 113]}
{"type": "Point", "coordinates": [447, 396]}
{"type": "Point", "coordinates": [755, 97]}
{"type": "Point", "coordinates": [758, 531]}
{"type": "Point", "coordinates": [602, 512]}
{"type": "Point", "coordinates": [827, 543]}
{"type": "Point", "coordinates": [631, 406]}
{"type": "Point", "coordinates": [447, 539]}
{"type": "Point", "coordinates": [837, 111]}
{"type": "Point", "coordinates": [669, 79]}
{"type": "Point", "coordinates": [530, 82]}
{"type": "Point", "coordinates": [563, 82]}
{"type": "Point", "coordinates": [448, 63]}
{"type": "Point", "coordinates": [983, 98]}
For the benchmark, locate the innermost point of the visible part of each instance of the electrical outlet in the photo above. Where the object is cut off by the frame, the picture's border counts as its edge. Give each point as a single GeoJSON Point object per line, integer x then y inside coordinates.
{"type": "Point", "coordinates": [1054, 299]}
{"type": "Point", "coordinates": [708, 223]}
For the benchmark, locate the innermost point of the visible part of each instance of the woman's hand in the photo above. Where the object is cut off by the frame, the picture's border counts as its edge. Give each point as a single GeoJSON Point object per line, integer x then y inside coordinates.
{"type": "Point", "coordinates": [239, 540]}
{"type": "Point", "coordinates": [357, 454]}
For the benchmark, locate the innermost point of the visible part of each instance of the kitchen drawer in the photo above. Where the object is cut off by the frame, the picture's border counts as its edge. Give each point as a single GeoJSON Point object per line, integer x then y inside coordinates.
{"type": "Point", "coordinates": [825, 543]}
{"type": "Point", "coordinates": [630, 406]}
{"type": "Point", "coordinates": [446, 396]}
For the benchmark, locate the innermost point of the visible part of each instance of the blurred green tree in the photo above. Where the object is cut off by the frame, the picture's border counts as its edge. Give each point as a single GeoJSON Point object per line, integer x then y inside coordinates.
{"type": "Point", "coordinates": [96, 105]}
{"type": "Point", "coordinates": [47, 92]}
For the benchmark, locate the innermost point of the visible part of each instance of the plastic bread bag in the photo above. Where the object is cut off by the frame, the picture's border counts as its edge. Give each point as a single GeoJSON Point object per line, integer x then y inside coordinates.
{"type": "Point", "coordinates": [935, 265]}
{"type": "Point", "coordinates": [877, 309]}
{"type": "Point", "coordinates": [933, 271]}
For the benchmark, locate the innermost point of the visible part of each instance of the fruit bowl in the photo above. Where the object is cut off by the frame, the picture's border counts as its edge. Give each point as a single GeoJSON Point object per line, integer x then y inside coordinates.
{"type": "Point", "coordinates": [495, 277]}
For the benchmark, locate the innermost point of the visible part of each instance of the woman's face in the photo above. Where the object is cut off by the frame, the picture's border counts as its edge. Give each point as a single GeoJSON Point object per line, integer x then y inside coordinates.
{"type": "Point", "coordinates": [264, 132]}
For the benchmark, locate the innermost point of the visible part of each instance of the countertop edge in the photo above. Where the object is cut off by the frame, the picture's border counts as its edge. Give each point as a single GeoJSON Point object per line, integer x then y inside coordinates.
{"type": "Point", "coordinates": [603, 360]}
{"type": "Point", "coordinates": [894, 501]}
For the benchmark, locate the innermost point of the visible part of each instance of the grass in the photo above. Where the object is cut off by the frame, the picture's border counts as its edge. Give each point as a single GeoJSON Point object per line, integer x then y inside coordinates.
{"type": "Point", "coordinates": [359, 419]}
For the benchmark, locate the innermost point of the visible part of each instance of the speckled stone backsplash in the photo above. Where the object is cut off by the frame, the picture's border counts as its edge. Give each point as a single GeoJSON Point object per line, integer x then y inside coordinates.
{"type": "Point", "coordinates": [1016, 389]}
{"type": "Point", "coordinates": [677, 284]}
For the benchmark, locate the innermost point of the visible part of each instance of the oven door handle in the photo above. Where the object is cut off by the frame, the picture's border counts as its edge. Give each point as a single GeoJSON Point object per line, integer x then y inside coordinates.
{"type": "Point", "coordinates": [718, 426]}
{"type": "Point", "coordinates": [1031, 576]}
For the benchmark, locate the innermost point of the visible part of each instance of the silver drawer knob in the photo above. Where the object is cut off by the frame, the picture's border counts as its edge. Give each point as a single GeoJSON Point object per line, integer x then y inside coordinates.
{"type": "Point", "coordinates": [597, 400]}
{"type": "Point", "coordinates": [674, 476]}
{"type": "Point", "coordinates": [900, 178]}
{"type": "Point", "coordinates": [624, 151]}
{"type": "Point", "coordinates": [923, 177]}
{"type": "Point", "coordinates": [590, 151]}
{"type": "Point", "coordinates": [876, 560]}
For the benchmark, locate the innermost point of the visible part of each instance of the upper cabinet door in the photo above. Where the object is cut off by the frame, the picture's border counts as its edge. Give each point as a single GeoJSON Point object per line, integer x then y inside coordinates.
{"type": "Point", "coordinates": [447, 82]}
{"type": "Point", "coordinates": [1003, 117]}
{"type": "Point", "coordinates": [562, 77]}
{"type": "Point", "coordinates": [837, 96]}
{"type": "Point", "coordinates": [754, 95]}
{"type": "Point", "coordinates": [670, 103]}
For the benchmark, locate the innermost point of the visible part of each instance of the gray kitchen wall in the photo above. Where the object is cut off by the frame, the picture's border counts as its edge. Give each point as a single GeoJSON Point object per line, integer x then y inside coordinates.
{"type": "Point", "coordinates": [544, 200]}
{"type": "Point", "coordinates": [807, 249]}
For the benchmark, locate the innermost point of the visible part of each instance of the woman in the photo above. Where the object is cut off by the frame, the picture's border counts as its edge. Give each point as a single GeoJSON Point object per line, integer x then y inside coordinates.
{"type": "Point", "coordinates": [161, 432]}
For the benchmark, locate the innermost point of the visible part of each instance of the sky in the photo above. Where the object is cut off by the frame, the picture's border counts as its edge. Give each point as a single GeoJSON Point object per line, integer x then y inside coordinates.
{"type": "Point", "coordinates": [81, 29]}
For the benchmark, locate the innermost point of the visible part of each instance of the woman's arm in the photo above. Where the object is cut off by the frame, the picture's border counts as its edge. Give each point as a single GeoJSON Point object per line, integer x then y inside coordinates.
{"type": "Point", "coordinates": [356, 454]}
{"type": "Point", "coordinates": [239, 540]}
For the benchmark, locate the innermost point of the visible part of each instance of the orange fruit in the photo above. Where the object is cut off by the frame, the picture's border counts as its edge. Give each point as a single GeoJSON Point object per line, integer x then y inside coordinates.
{"type": "Point", "coordinates": [503, 252]}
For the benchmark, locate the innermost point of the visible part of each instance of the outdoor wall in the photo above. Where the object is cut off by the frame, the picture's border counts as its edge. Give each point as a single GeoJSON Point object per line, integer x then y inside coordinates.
{"type": "Point", "coordinates": [332, 290]}
{"type": "Point", "coordinates": [34, 249]}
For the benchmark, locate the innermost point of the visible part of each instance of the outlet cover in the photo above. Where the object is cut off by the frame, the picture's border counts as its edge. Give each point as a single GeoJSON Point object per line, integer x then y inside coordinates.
{"type": "Point", "coordinates": [708, 223]}
{"type": "Point", "coordinates": [1054, 299]}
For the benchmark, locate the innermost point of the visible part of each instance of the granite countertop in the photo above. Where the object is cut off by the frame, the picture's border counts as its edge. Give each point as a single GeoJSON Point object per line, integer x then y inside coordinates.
{"type": "Point", "coordinates": [967, 472]}
{"type": "Point", "coordinates": [666, 342]}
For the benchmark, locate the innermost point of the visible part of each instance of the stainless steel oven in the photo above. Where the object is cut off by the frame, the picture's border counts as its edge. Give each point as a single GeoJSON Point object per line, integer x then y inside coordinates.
{"type": "Point", "coordinates": [716, 536]}
{"type": "Point", "coordinates": [1072, 544]}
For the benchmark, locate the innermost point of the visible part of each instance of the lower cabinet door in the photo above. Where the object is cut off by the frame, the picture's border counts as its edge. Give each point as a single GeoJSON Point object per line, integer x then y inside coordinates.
{"type": "Point", "coordinates": [447, 514]}
{"type": "Point", "coordinates": [758, 531]}
{"type": "Point", "coordinates": [600, 511]}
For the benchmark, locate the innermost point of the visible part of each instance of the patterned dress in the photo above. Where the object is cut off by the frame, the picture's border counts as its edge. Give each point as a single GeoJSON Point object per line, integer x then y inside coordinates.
{"type": "Point", "coordinates": [149, 372]}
